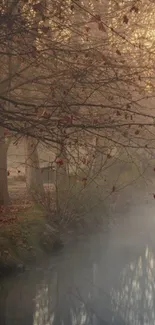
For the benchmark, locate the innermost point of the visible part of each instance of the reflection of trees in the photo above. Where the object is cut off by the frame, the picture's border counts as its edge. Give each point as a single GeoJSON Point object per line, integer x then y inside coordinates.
{"type": "Point", "coordinates": [62, 297]}
{"type": "Point", "coordinates": [76, 291]}
{"type": "Point", "coordinates": [71, 295]}
{"type": "Point", "coordinates": [135, 300]}
{"type": "Point", "coordinates": [68, 295]}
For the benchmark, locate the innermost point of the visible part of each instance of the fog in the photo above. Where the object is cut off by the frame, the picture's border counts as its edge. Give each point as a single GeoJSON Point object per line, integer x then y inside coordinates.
{"type": "Point", "coordinates": [104, 278]}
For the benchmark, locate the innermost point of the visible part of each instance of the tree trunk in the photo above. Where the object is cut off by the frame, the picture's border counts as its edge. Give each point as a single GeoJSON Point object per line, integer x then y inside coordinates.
{"type": "Point", "coordinates": [34, 182]}
{"type": "Point", "coordinates": [4, 195]}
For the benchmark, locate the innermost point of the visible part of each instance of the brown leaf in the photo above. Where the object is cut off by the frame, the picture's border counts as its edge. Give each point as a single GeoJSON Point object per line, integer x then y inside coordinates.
{"type": "Point", "coordinates": [97, 18]}
{"type": "Point", "coordinates": [118, 52]}
{"type": "Point", "coordinates": [125, 19]}
{"type": "Point", "coordinates": [87, 29]}
{"type": "Point", "coordinates": [137, 132]}
{"type": "Point", "coordinates": [37, 6]}
{"type": "Point", "coordinates": [135, 9]}
{"type": "Point", "coordinates": [84, 180]}
{"type": "Point", "coordinates": [45, 29]}
{"type": "Point", "coordinates": [101, 26]}
{"type": "Point", "coordinates": [113, 189]}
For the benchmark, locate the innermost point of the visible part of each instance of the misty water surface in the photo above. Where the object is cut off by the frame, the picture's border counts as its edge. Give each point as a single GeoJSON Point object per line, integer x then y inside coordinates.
{"type": "Point", "coordinates": [108, 278]}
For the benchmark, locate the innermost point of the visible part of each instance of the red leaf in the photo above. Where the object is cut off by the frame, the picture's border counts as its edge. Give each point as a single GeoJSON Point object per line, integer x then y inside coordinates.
{"type": "Point", "coordinates": [59, 161]}
{"type": "Point", "coordinates": [87, 29]}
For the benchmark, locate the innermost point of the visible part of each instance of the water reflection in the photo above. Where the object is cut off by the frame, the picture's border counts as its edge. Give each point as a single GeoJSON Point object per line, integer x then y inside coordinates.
{"type": "Point", "coordinates": [135, 300]}
{"type": "Point", "coordinates": [83, 301]}
{"type": "Point", "coordinates": [117, 288]}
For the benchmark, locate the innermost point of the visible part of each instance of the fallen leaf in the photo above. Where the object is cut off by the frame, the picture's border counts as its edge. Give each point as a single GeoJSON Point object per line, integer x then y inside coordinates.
{"type": "Point", "coordinates": [101, 26]}
{"type": "Point", "coordinates": [118, 52]}
{"type": "Point", "coordinates": [125, 19]}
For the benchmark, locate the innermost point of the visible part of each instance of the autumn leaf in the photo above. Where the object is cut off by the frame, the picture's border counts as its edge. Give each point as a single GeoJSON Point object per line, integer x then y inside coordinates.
{"type": "Point", "coordinates": [45, 29]}
{"type": "Point", "coordinates": [84, 180]}
{"type": "Point", "coordinates": [97, 17]}
{"type": "Point", "coordinates": [154, 196]}
{"type": "Point", "coordinates": [87, 29]}
{"type": "Point", "coordinates": [59, 161]}
{"type": "Point", "coordinates": [8, 173]}
{"type": "Point", "coordinates": [101, 27]}
{"type": "Point", "coordinates": [125, 19]}
{"type": "Point", "coordinates": [135, 9]}
{"type": "Point", "coordinates": [37, 6]}
{"type": "Point", "coordinates": [113, 189]}
{"type": "Point", "coordinates": [118, 52]}
{"type": "Point", "coordinates": [137, 132]}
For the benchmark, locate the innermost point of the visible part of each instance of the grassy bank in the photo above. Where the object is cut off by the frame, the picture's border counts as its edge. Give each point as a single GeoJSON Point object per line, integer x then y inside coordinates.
{"type": "Point", "coordinates": [25, 238]}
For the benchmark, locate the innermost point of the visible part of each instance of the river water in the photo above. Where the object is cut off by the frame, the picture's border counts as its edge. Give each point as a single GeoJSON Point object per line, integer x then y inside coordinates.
{"type": "Point", "coordinates": [106, 278]}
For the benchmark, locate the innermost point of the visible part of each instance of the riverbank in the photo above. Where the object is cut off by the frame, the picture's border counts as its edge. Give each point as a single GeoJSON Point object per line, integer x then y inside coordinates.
{"type": "Point", "coordinates": [25, 237]}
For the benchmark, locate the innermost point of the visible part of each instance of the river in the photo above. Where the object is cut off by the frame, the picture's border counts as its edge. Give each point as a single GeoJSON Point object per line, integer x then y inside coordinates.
{"type": "Point", "coordinates": [106, 278]}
